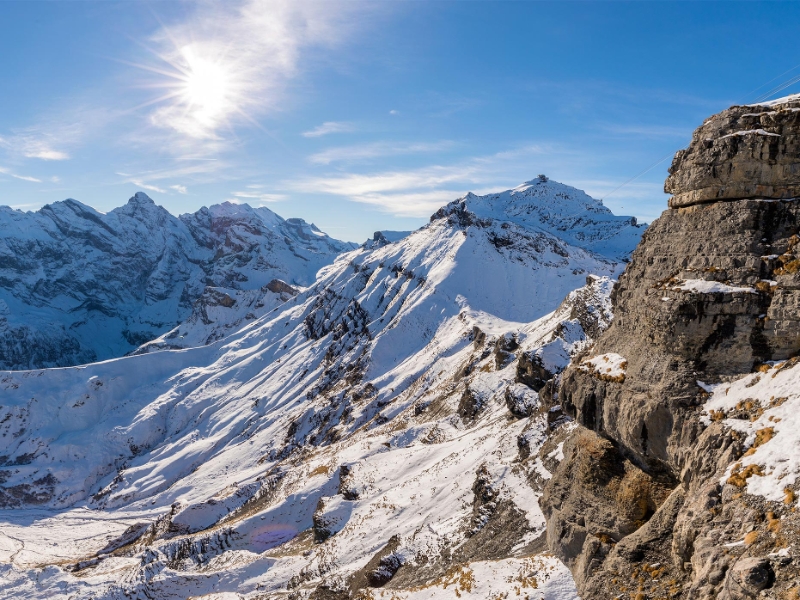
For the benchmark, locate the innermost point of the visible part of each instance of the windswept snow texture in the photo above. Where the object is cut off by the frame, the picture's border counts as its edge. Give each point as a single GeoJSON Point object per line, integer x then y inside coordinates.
{"type": "Point", "coordinates": [359, 436]}
{"type": "Point", "coordinates": [77, 285]}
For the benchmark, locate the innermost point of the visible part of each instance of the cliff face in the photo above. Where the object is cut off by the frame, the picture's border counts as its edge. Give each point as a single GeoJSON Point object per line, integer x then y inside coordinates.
{"type": "Point", "coordinates": [742, 152]}
{"type": "Point", "coordinates": [645, 499]}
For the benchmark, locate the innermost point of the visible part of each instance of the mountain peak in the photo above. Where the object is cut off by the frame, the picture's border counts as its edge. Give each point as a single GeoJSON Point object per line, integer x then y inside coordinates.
{"type": "Point", "coordinates": [548, 205]}
{"type": "Point", "coordinates": [140, 198]}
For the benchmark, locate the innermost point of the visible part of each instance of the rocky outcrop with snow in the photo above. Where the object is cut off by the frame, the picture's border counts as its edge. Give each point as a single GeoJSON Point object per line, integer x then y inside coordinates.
{"type": "Point", "coordinates": [742, 152]}
{"type": "Point", "coordinates": [381, 238]}
{"type": "Point", "coordinates": [77, 285]}
{"type": "Point", "coordinates": [680, 480]}
{"type": "Point", "coordinates": [377, 436]}
{"type": "Point", "coordinates": [219, 312]}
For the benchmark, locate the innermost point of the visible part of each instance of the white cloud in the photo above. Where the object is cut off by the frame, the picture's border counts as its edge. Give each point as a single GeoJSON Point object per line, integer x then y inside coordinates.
{"type": "Point", "coordinates": [410, 204]}
{"type": "Point", "coordinates": [260, 196]}
{"type": "Point", "coordinates": [394, 112]}
{"type": "Point", "coordinates": [327, 128]}
{"type": "Point", "coordinates": [33, 144]}
{"type": "Point", "coordinates": [26, 178]}
{"type": "Point", "coordinates": [181, 189]}
{"type": "Point", "coordinates": [46, 154]}
{"type": "Point", "coordinates": [375, 150]}
{"type": "Point", "coordinates": [8, 172]}
{"type": "Point", "coordinates": [419, 192]}
{"type": "Point", "coordinates": [146, 186]}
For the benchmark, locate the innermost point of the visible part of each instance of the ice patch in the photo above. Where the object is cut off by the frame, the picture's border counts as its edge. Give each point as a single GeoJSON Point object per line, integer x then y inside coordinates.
{"type": "Point", "coordinates": [702, 286]}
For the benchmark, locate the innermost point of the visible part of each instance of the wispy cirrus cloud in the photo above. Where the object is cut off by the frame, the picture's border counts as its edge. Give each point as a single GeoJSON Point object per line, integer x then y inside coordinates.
{"type": "Point", "coordinates": [363, 152]}
{"type": "Point", "coordinates": [329, 127]}
{"type": "Point", "coordinates": [170, 180]}
{"type": "Point", "coordinates": [419, 192]}
{"type": "Point", "coordinates": [10, 173]}
{"type": "Point", "coordinates": [148, 186]}
{"type": "Point", "coordinates": [33, 144]}
{"type": "Point", "coordinates": [261, 197]}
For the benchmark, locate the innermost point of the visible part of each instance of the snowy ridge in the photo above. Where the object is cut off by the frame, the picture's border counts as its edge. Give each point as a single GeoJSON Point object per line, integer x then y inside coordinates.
{"type": "Point", "coordinates": [371, 431]}
{"type": "Point", "coordinates": [77, 285]}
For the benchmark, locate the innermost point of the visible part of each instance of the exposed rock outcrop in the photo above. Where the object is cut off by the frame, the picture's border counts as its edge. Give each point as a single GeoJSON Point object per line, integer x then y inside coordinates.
{"type": "Point", "coordinates": [711, 293]}
{"type": "Point", "coordinates": [742, 152]}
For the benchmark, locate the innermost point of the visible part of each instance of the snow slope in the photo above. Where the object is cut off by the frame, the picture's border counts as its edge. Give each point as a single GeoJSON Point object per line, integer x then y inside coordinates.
{"type": "Point", "coordinates": [77, 285]}
{"type": "Point", "coordinates": [360, 435]}
{"type": "Point", "coordinates": [763, 407]}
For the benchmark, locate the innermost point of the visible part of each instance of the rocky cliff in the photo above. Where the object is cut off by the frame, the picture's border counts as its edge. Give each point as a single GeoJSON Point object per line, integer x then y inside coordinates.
{"type": "Point", "coordinates": [78, 285]}
{"type": "Point", "coordinates": [655, 498]}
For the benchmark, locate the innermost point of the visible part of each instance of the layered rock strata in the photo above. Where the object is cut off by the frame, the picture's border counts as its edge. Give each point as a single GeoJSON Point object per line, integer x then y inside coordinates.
{"type": "Point", "coordinates": [743, 152]}
{"type": "Point", "coordinates": [636, 509]}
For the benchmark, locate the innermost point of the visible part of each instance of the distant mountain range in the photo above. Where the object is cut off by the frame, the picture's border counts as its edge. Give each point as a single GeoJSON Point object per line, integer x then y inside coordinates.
{"type": "Point", "coordinates": [78, 285]}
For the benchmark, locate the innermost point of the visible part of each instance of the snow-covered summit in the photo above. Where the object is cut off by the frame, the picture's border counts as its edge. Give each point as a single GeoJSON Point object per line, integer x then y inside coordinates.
{"type": "Point", "coordinates": [560, 209]}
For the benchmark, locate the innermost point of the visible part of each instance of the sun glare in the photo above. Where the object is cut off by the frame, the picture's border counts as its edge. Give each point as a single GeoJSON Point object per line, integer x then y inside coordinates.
{"type": "Point", "coordinates": [206, 89]}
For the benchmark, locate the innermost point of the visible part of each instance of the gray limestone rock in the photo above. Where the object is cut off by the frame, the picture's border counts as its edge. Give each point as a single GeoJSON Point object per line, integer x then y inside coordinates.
{"type": "Point", "coordinates": [711, 293]}
{"type": "Point", "coordinates": [742, 152]}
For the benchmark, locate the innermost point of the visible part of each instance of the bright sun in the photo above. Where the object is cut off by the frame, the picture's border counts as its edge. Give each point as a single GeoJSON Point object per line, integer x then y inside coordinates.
{"type": "Point", "coordinates": [206, 89]}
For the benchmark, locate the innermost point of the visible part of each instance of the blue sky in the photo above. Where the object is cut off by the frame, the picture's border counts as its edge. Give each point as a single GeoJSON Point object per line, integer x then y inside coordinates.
{"type": "Point", "coordinates": [364, 116]}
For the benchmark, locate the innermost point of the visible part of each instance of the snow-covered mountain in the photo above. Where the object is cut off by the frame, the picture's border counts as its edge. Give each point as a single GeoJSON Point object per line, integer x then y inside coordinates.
{"type": "Point", "coordinates": [77, 285]}
{"type": "Point", "coordinates": [376, 436]}
{"type": "Point", "coordinates": [381, 238]}
{"type": "Point", "coordinates": [566, 212]}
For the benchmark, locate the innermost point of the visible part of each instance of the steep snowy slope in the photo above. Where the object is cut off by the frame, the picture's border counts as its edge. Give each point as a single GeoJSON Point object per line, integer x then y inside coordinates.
{"type": "Point", "coordinates": [376, 435]}
{"type": "Point", "coordinates": [77, 285]}
{"type": "Point", "coordinates": [220, 312]}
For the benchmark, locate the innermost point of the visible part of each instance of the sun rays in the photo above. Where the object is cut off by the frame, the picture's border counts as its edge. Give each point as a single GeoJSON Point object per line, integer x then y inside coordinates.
{"type": "Point", "coordinates": [206, 89]}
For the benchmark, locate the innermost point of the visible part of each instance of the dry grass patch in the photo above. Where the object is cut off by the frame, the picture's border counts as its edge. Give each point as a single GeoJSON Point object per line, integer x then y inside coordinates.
{"type": "Point", "coordinates": [739, 477]}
